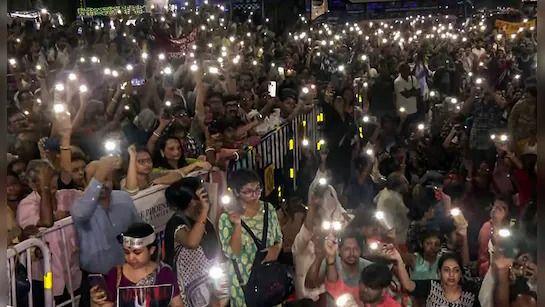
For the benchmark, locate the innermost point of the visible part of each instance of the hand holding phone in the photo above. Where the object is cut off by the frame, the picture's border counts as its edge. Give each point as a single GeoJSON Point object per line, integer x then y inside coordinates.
{"type": "Point", "coordinates": [97, 280]}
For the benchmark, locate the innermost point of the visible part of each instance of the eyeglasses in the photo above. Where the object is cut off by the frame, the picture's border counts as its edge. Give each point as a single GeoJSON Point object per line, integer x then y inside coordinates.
{"type": "Point", "coordinates": [252, 192]}
{"type": "Point", "coordinates": [144, 161]}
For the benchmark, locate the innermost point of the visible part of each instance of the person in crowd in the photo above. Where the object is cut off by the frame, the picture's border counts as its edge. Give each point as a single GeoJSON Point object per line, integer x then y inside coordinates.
{"type": "Point", "coordinates": [191, 243]}
{"type": "Point", "coordinates": [140, 173]}
{"type": "Point", "coordinates": [361, 189]}
{"type": "Point", "coordinates": [407, 93]}
{"type": "Point", "coordinates": [486, 107]}
{"type": "Point", "coordinates": [448, 290]}
{"type": "Point", "coordinates": [141, 279]}
{"type": "Point", "coordinates": [373, 286]}
{"type": "Point", "coordinates": [423, 264]}
{"type": "Point", "coordinates": [100, 215]}
{"type": "Point", "coordinates": [522, 122]}
{"type": "Point", "coordinates": [323, 204]}
{"type": "Point", "coordinates": [202, 88]}
{"type": "Point", "coordinates": [39, 210]}
{"type": "Point", "coordinates": [499, 218]}
{"type": "Point", "coordinates": [516, 280]}
{"type": "Point", "coordinates": [236, 242]}
{"type": "Point", "coordinates": [338, 266]}
{"type": "Point", "coordinates": [390, 202]}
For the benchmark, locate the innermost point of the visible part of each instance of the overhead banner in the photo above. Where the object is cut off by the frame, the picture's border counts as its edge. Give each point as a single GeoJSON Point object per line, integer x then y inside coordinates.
{"type": "Point", "coordinates": [513, 27]}
{"type": "Point", "coordinates": [179, 47]}
{"type": "Point", "coordinates": [318, 8]}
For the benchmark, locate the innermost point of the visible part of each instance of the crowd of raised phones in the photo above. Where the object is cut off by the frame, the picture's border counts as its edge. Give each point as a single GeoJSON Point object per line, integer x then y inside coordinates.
{"type": "Point", "coordinates": [421, 191]}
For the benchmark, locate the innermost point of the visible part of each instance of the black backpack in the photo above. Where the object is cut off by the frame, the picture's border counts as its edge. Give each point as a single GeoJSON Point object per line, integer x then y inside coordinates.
{"type": "Point", "coordinates": [269, 283]}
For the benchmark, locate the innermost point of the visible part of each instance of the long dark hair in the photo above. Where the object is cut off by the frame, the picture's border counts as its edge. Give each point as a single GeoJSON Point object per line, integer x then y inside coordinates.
{"type": "Point", "coordinates": [159, 158]}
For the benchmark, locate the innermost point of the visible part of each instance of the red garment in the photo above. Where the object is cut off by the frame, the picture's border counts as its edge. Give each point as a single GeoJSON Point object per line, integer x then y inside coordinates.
{"type": "Point", "coordinates": [387, 301]}
{"type": "Point", "coordinates": [338, 288]}
{"type": "Point", "coordinates": [484, 257]}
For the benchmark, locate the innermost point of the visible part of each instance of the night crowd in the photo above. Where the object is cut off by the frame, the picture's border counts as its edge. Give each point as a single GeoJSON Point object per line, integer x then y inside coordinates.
{"type": "Point", "coordinates": [421, 191]}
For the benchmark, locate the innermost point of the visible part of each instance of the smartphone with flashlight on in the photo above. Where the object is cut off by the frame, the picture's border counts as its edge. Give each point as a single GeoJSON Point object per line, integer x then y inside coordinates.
{"type": "Point", "coordinates": [231, 205]}
{"type": "Point", "coordinates": [138, 82]}
{"type": "Point", "coordinates": [112, 147]}
{"type": "Point", "coordinates": [272, 88]}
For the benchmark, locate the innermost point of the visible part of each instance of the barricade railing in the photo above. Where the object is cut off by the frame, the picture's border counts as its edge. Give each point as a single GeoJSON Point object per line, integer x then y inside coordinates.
{"type": "Point", "coordinates": [284, 144]}
{"type": "Point", "coordinates": [67, 255]}
{"type": "Point", "coordinates": [26, 249]}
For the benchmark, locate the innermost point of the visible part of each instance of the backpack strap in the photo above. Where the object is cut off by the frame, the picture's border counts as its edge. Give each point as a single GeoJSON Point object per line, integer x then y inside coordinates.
{"type": "Point", "coordinates": [259, 244]}
{"type": "Point", "coordinates": [265, 225]}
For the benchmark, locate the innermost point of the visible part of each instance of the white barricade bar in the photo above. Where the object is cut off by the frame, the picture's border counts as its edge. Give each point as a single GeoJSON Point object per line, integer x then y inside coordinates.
{"type": "Point", "coordinates": [13, 254]}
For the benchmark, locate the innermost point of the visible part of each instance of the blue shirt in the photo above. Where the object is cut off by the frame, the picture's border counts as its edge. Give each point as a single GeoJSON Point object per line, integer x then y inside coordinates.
{"type": "Point", "coordinates": [98, 228]}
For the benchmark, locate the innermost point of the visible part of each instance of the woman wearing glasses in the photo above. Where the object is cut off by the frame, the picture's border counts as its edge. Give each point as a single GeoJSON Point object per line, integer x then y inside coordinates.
{"type": "Point", "coordinates": [236, 241]}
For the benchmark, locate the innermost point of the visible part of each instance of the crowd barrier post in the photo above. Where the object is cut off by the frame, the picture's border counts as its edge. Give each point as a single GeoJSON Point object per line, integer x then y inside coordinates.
{"type": "Point", "coordinates": [25, 248]}
{"type": "Point", "coordinates": [61, 226]}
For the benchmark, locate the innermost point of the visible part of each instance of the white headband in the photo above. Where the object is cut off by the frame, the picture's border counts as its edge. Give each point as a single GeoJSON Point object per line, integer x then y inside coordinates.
{"type": "Point", "coordinates": [130, 242]}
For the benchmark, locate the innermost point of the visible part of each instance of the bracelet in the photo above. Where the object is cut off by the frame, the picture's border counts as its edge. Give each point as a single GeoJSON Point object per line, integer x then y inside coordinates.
{"type": "Point", "coordinates": [156, 134]}
{"type": "Point", "coordinates": [236, 156]}
{"type": "Point", "coordinates": [66, 148]}
{"type": "Point", "coordinates": [209, 149]}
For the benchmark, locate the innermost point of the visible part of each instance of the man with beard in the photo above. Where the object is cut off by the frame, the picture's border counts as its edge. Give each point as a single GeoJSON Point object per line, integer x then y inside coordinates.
{"type": "Point", "coordinates": [100, 216]}
{"type": "Point", "coordinates": [342, 270]}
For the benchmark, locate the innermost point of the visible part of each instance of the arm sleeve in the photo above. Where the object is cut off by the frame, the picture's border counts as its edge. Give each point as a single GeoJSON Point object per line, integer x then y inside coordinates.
{"type": "Point", "coordinates": [136, 216]}
{"type": "Point", "coordinates": [27, 215]}
{"type": "Point", "coordinates": [111, 283]}
{"type": "Point", "coordinates": [83, 208]}
{"type": "Point", "coordinates": [225, 232]}
{"type": "Point", "coordinates": [170, 278]}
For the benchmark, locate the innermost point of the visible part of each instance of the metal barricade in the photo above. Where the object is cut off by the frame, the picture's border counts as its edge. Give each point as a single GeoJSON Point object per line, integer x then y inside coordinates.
{"type": "Point", "coordinates": [62, 226]}
{"type": "Point", "coordinates": [24, 248]}
{"type": "Point", "coordinates": [285, 141]}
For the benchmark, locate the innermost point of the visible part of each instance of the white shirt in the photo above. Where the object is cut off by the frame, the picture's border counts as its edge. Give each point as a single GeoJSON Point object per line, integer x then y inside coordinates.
{"type": "Point", "coordinates": [303, 247]}
{"type": "Point", "coordinates": [401, 85]}
{"type": "Point", "coordinates": [478, 52]}
{"type": "Point", "coordinates": [303, 257]}
{"type": "Point", "coordinates": [391, 203]}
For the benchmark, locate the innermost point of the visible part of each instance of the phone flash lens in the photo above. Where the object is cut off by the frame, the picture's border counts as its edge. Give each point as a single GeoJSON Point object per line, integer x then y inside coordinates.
{"type": "Point", "coordinates": [455, 211]}
{"type": "Point", "coordinates": [225, 199]}
{"type": "Point", "coordinates": [326, 225]}
{"type": "Point", "coordinates": [504, 233]}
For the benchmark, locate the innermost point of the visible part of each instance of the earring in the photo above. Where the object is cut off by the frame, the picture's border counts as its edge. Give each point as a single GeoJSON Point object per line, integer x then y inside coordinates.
{"type": "Point", "coordinates": [162, 154]}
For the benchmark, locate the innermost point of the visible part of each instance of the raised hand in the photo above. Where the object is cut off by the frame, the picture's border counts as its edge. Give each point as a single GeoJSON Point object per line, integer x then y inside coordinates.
{"type": "Point", "coordinates": [202, 195]}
